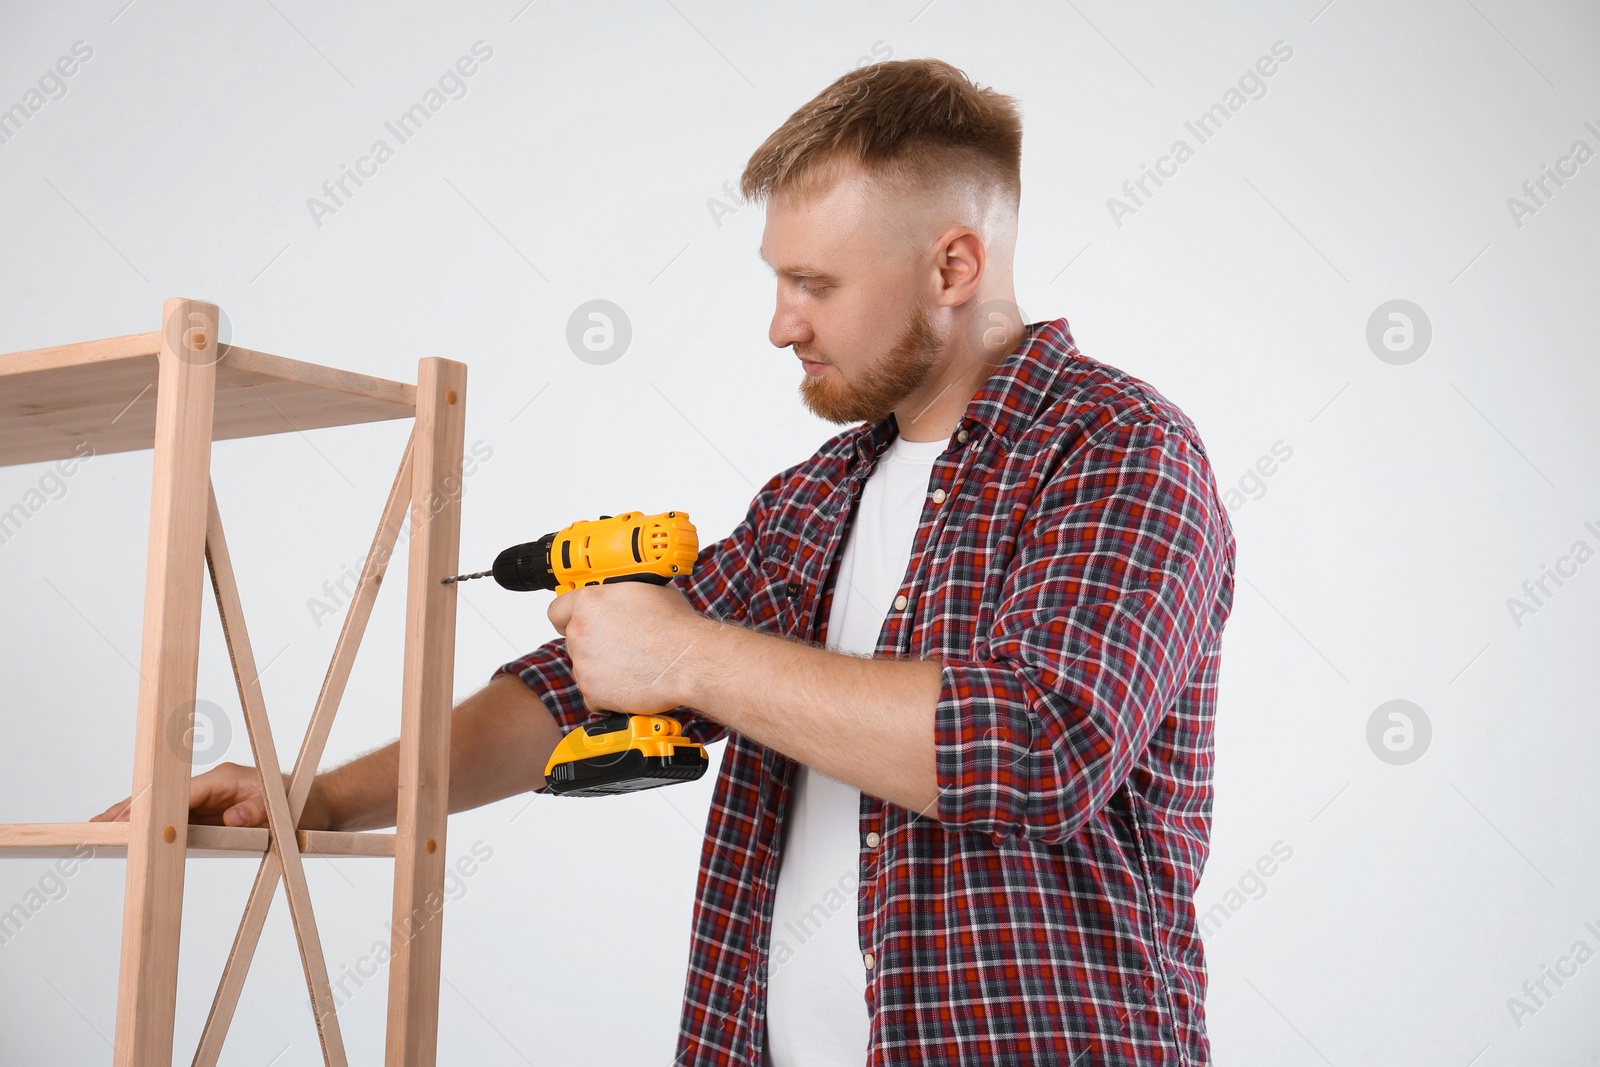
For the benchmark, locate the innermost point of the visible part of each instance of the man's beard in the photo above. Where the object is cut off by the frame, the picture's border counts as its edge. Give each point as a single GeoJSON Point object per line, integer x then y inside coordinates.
{"type": "Point", "coordinates": [881, 387]}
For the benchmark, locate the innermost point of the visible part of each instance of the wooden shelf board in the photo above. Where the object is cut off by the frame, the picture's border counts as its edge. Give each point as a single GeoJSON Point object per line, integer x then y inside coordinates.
{"type": "Point", "coordinates": [57, 403]}
{"type": "Point", "coordinates": [52, 839]}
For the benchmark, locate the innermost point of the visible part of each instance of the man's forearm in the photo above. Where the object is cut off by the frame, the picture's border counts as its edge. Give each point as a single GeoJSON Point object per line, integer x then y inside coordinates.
{"type": "Point", "coordinates": [868, 722]}
{"type": "Point", "coordinates": [500, 738]}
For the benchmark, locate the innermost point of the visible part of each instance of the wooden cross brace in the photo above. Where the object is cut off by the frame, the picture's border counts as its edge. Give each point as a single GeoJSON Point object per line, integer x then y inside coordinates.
{"type": "Point", "coordinates": [285, 806]}
{"type": "Point", "coordinates": [55, 401]}
{"type": "Point", "coordinates": [424, 764]}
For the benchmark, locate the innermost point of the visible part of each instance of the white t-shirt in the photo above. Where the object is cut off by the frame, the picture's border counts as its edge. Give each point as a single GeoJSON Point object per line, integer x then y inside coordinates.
{"type": "Point", "coordinates": [816, 980]}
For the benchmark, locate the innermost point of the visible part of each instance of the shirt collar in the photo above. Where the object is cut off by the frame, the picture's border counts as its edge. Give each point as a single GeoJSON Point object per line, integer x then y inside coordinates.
{"type": "Point", "coordinates": [1009, 401]}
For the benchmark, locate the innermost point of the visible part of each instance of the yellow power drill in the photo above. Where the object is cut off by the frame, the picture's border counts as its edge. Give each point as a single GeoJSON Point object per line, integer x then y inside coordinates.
{"type": "Point", "coordinates": [622, 753]}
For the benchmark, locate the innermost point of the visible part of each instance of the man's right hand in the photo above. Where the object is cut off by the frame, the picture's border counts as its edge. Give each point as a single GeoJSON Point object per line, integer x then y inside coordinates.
{"type": "Point", "coordinates": [229, 794]}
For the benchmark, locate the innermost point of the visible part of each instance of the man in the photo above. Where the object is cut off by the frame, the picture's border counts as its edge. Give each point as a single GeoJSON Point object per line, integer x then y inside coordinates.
{"type": "Point", "coordinates": [964, 656]}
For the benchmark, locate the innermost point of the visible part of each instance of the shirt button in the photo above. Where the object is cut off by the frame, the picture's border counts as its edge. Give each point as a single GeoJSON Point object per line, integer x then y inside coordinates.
{"type": "Point", "coordinates": [867, 959]}
{"type": "Point", "coordinates": [900, 602]}
{"type": "Point", "coordinates": [961, 435]}
{"type": "Point", "coordinates": [873, 839]}
{"type": "Point", "coordinates": [938, 496]}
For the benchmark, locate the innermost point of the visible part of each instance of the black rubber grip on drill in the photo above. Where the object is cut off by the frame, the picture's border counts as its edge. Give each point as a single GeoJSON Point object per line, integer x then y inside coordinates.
{"type": "Point", "coordinates": [526, 567]}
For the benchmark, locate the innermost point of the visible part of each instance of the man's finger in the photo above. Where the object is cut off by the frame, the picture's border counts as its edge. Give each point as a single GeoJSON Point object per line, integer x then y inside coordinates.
{"type": "Point", "coordinates": [560, 612]}
{"type": "Point", "coordinates": [245, 814]}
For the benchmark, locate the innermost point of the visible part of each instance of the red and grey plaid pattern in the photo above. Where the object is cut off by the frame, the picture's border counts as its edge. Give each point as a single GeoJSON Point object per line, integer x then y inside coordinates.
{"type": "Point", "coordinates": [1073, 581]}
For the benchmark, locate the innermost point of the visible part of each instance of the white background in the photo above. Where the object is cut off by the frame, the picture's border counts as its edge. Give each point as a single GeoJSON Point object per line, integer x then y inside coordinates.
{"type": "Point", "coordinates": [1374, 564]}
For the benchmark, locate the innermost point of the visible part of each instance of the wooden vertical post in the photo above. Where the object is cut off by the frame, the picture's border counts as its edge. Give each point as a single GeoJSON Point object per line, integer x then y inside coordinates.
{"type": "Point", "coordinates": [169, 657]}
{"type": "Point", "coordinates": [426, 698]}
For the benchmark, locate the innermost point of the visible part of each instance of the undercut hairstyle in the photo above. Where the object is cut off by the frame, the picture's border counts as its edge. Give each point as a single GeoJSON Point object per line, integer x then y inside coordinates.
{"type": "Point", "coordinates": [901, 122]}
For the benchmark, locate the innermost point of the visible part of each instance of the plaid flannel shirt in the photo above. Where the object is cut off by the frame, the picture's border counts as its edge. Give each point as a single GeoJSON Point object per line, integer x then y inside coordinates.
{"type": "Point", "coordinates": [1073, 578]}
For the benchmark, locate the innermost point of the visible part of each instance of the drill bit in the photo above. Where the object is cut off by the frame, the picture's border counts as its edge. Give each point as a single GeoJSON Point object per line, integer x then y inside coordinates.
{"type": "Point", "coordinates": [464, 577]}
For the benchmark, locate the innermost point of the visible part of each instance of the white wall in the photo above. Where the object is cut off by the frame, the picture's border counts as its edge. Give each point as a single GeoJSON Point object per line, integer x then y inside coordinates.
{"type": "Point", "coordinates": [1375, 563]}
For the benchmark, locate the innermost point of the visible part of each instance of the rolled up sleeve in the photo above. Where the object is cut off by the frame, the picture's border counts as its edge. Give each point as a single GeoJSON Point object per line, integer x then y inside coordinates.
{"type": "Point", "coordinates": [719, 587]}
{"type": "Point", "coordinates": [1108, 606]}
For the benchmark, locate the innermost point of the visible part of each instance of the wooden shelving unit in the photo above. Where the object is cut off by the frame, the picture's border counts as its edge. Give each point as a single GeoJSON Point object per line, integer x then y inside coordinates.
{"type": "Point", "coordinates": [52, 400]}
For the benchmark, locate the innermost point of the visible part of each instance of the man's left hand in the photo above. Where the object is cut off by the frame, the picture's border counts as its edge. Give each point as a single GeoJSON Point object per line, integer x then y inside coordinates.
{"type": "Point", "coordinates": [625, 640]}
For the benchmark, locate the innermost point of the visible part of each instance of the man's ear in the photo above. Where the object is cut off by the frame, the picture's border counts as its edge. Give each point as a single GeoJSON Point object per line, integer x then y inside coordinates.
{"type": "Point", "coordinates": [960, 258]}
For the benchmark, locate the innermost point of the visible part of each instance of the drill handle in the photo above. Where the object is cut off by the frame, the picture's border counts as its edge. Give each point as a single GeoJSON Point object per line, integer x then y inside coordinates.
{"type": "Point", "coordinates": [638, 576]}
{"type": "Point", "coordinates": [617, 720]}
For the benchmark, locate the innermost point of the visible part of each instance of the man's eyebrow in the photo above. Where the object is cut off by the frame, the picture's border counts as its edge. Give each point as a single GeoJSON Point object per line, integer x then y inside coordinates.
{"type": "Point", "coordinates": [802, 270]}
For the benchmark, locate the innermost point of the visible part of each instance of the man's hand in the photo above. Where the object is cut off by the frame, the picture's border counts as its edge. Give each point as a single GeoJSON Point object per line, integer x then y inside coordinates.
{"type": "Point", "coordinates": [229, 794]}
{"type": "Point", "coordinates": [625, 640]}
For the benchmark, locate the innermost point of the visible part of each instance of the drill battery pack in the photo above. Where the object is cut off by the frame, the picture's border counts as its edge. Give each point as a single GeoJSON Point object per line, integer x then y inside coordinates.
{"type": "Point", "coordinates": [623, 754]}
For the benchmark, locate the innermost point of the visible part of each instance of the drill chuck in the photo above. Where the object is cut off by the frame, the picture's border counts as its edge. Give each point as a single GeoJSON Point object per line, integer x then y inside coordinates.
{"type": "Point", "coordinates": [526, 567]}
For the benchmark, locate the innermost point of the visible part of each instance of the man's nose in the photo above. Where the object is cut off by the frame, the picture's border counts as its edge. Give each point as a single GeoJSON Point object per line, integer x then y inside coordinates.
{"type": "Point", "coordinates": [788, 328]}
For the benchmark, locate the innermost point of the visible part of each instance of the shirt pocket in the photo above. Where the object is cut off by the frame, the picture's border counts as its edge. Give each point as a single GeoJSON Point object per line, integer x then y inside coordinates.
{"type": "Point", "coordinates": [775, 600]}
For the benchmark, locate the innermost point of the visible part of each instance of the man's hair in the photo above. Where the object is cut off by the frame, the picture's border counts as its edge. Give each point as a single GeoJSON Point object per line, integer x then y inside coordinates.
{"type": "Point", "coordinates": [900, 121]}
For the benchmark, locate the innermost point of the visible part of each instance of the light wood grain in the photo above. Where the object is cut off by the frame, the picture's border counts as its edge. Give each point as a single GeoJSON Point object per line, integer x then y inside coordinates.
{"type": "Point", "coordinates": [51, 840]}
{"type": "Point", "coordinates": [100, 397]}
{"type": "Point", "coordinates": [147, 983]}
{"type": "Point", "coordinates": [156, 390]}
{"type": "Point", "coordinates": [234, 971]}
{"type": "Point", "coordinates": [426, 696]}
{"type": "Point", "coordinates": [280, 821]}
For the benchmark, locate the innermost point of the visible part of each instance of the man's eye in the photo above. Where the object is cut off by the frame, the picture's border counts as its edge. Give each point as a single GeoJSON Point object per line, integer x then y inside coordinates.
{"type": "Point", "coordinates": [809, 287]}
